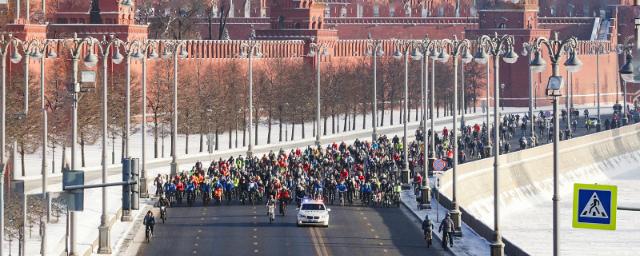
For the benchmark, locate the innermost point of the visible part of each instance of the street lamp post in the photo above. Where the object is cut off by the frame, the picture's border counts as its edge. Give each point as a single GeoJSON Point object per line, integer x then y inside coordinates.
{"type": "Point", "coordinates": [42, 49]}
{"type": "Point", "coordinates": [432, 154]}
{"type": "Point", "coordinates": [462, 96]}
{"type": "Point", "coordinates": [555, 48]}
{"type": "Point", "coordinates": [424, 49]}
{"type": "Point", "coordinates": [174, 49]}
{"type": "Point", "coordinates": [402, 50]}
{"type": "Point", "coordinates": [318, 50]}
{"type": "Point", "coordinates": [147, 49]}
{"type": "Point", "coordinates": [500, 47]}
{"type": "Point", "coordinates": [104, 47]}
{"type": "Point", "coordinates": [526, 48]}
{"type": "Point", "coordinates": [598, 49]}
{"type": "Point", "coordinates": [129, 50]}
{"type": "Point", "coordinates": [250, 49]}
{"type": "Point", "coordinates": [502, 92]}
{"type": "Point", "coordinates": [481, 58]}
{"type": "Point", "coordinates": [457, 48]}
{"type": "Point", "coordinates": [75, 47]}
{"type": "Point", "coordinates": [4, 50]}
{"type": "Point", "coordinates": [374, 49]}
{"type": "Point", "coordinates": [626, 73]}
{"type": "Point", "coordinates": [27, 47]}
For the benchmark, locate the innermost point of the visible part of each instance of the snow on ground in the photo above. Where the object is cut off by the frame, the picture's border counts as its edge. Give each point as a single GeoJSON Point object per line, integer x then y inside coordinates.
{"type": "Point", "coordinates": [529, 223]}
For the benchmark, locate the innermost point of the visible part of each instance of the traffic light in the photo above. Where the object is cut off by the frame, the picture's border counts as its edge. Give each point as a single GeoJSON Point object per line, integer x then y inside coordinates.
{"type": "Point", "coordinates": [126, 188]}
{"type": "Point", "coordinates": [135, 187]}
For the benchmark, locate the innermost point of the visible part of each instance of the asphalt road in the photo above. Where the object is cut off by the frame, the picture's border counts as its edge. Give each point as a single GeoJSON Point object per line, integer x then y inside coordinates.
{"type": "Point", "coordinates": [245, 230]}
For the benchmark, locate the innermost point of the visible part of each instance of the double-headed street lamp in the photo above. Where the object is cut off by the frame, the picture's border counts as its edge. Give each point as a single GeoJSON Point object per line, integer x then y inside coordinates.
{"type": "Point", "coordinates": [39, 51]}
{"type": "Point", "coordinates": [457, 48]}
{"type": "Point", "coordinates": [555, 48]}
{"type": "Point", "coordinates": [424, 49]}
{"type": "Point", "coordinates": [4, 50]}
{"type": "Point", "coordinates": [8, 44]}
{"type": "Point", "coordinates": [104, 49]}
{"type": "Point", "coordinates": [318, 50]}
{"type": "Point", "coordinates": [598, 49]}
{"type": "Point", "coordinates": [174, 49]}
{"type": "Point", "coordinates": [481, 58]}
{"type": "Point", "coordinates": [500, 47]}
{"type": "Point", "coordinates": [29, 48]}
{"type": "Point", "coordinates": [146, 49]}
{"type": "Point", "coordinates": [375, 50]}
{"type": "Point", "coordinates": [250, 49]}
{"type": "Point", "coordinates": [402, 50]}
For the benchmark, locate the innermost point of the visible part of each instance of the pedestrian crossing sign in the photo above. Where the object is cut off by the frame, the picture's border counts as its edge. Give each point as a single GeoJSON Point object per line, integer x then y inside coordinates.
{"type": "Point", "coordinates": [594, 206]}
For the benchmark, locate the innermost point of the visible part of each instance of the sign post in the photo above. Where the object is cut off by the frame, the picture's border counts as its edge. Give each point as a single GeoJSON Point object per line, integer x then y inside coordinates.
{"type": "Point", "coordinates": [594, 206]}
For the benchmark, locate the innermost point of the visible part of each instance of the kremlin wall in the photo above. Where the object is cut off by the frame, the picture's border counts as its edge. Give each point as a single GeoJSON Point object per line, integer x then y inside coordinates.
{"type": "Point", "coordinates": [287, 27]}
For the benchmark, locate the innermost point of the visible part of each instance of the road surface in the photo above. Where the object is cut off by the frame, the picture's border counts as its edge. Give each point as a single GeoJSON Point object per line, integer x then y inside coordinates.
{"type": "Point", "coordinates": [245, 230]}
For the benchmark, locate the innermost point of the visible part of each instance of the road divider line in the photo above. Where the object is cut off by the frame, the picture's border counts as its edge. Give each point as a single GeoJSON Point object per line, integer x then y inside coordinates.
{"type": "Point", "coordinates": [323, 246]}
{"type": "Point", "coordinates": [315, 242]}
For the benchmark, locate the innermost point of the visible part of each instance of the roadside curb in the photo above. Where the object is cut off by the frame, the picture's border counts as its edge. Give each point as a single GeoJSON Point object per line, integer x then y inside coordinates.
{"type": "Point", "coordinates": [94, 245]}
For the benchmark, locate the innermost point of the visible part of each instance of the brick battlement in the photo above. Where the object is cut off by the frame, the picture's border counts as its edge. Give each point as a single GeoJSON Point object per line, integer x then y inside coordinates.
{"type": "Point", "coordinates": [565, 20]}
{"type": "Point", "coordinates": [403, 20]}
{"type": "Point", "coordinates": [226, 49]}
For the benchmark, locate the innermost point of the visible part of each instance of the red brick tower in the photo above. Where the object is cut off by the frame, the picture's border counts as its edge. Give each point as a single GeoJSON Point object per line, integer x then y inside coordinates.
{"type": "Point", "coordinates": [297, 19]}
{"type": "Point", "coordinates": [520, 20]}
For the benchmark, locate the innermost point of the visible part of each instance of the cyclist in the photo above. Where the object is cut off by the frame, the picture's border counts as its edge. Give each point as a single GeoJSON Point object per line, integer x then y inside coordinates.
{"type": "Point", "coordinates": [149, 221]}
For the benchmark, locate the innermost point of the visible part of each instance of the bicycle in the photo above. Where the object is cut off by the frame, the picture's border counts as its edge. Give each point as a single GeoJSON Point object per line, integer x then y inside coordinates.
{"type": "Point", "coordinates": [163, 213]}
{"type": "Point", "coordinates": [148, 233]}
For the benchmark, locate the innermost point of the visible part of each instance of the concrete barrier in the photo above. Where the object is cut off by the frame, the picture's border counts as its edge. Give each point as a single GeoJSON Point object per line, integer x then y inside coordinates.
{"type": "Point", "coordinates": [526, 173]}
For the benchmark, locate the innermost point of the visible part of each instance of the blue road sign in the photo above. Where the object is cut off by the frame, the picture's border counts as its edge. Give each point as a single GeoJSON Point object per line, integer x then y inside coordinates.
{"type": "Point", "coordinates": [594, 206]}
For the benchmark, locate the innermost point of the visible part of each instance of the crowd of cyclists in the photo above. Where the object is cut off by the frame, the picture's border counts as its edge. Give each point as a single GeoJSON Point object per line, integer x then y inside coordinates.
{"type": "Point", "coordinates": [362, 173]}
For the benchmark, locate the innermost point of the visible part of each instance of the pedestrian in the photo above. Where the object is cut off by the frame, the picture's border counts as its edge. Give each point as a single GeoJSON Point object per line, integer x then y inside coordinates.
{"type": "Point", "coordinates": [427, 229]}
{"type": "Point", "coordinates": [158, 182]}
{"type": "Point", "coordinates": [446, 227]}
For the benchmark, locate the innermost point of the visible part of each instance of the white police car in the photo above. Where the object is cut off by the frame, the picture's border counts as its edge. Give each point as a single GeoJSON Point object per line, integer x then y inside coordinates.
{"type": "Point", "coordinates": [313, 212]}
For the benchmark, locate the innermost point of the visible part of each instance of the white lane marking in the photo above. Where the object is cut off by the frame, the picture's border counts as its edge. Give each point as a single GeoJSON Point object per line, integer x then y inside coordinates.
{"type": "Point", "coordinates": [199, 230]}
{"type": "Point", "coordinates": [194, 251]}
{"type": "Point", "coordinates": [196, 244]}
{"type": "Point", "coordinates": [255, 229]}
{"type": "Point", "coordinates": [316, 243]}
{"type": "Point", "coordinates": [197, 238]}
{"type": "Point", "coordinates": [255, 251]}
{"type": "Point", "coordinates": [255, 243]}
